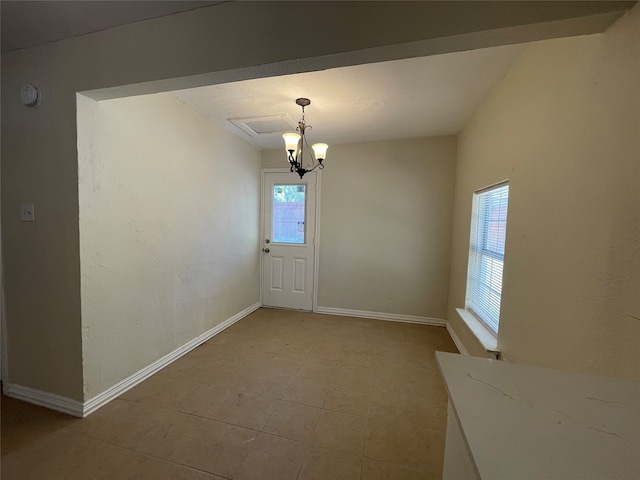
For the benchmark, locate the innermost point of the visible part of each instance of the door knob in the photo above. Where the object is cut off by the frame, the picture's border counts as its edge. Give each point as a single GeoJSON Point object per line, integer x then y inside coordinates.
{"type": "Point", "coordinates": [265, 250]}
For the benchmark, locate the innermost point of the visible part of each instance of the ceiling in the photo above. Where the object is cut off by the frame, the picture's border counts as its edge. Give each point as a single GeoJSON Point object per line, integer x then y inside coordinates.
{"type": "Point", "coordinates": [30, 23]}
{"type": "Point", "coordinates": [415, 97]}
{"type": "Point", "coordinates": [384, 101]}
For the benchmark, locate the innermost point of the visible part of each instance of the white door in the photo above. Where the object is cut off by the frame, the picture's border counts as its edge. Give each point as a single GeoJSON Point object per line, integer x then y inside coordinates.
{"type": "Point", "coordinates": [288, 240]}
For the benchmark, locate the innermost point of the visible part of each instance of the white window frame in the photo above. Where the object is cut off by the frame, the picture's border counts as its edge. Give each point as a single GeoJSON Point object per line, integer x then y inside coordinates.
{"type": "Point", "coordinates": [486, 255]}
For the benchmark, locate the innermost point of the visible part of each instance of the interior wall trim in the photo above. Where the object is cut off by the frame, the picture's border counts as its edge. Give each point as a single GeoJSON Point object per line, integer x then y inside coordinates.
{"type": "Point", "coordinates": [44, 399]}
{"type": "Point", "coordinates": [391, 317]}
{"type": "Point", "coordinates": [82, 409]}
{"type": "Point", "coordinates": [456, 340]}
{"type": "Point", "coordinates": [119, 388]}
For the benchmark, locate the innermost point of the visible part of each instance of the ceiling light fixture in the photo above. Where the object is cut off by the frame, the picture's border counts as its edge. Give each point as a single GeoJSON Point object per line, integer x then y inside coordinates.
{"type": "Point", "coordinates": [294, 145]}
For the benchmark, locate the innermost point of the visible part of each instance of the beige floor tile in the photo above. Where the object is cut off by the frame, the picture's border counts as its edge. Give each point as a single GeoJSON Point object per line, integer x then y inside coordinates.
{"type": "Point", "coordinates": [322, 370]}
{"type": "Point", "coordinates": [386, 337]}
{"type": "Point", "coordinates": [428, 386]}
{"type": "Point", "coordinates": [210, 373]}
{"type": "Point", "coordinates": [248, 412]}
{"type": "Point", "coordinates": [205, 400]}
{"type": "Point", "coordinates": [324, 464]}
{"type": "Point", "coordinates": [272, 458]}
{"type": "Point", "coordinates": [251, 361]}
{"type": "Point", "coordinates": [203, 444]}
{"type": "Point", "coordinates": [67, 456]}
{"type": "Point", "coordinates": [377, 383]}
{"type": "Point", "coordinates": [352, 399]}
{"type": "Point", "coordinates": [394, 440]}
{"type": "Point", "coordinates": [431, 416]}
{"type": "Point", "coordinates": [391, 403]}
{"type": "Point", "coordinates": [294, 421]}
{"type": "Point", "coordinates": [300, 348]}
{"type": "Point", "coordinates": [431, 448]}
{"type": "Point", "coordinates": [119, 419]}
{"type": "Point", "coordinates": [340, 431]}
{"type": "Point", "coordinates": [228, 380]}
{"type": "Point", "coordinates": [233, 396]}
{"type": "Point", "coordinates": [23, 423]}
{"type": "Point", "coordinates": [209, 352]}
{"type": "Point", "coordinates": [61, 455]}
{"type": "Point", "coordinates": [400, 441]}
{"type": "Point", "coordinates": [272, 385]}
{"type": "Point", "coordinates": [196, 442]}
{"type": "Point", "coordinates": [138, 466]}
{"type": "Point", "coordinates": [374, 470]}
{"type": "Point", "coordinates": [354, 344]}
{"type": "Point", "coordinates": [222, 338]}
{"type": "Point", "coordinates": [429, 389]}
{"type": "Point", "coordinates": [284, 364]}
{"type": "Point", "coordinates": [250, 339]}
{"type": "Point", "coordinates": [436, 338]}
{"type": "Point", "coordinates": [190, 369]}
{"type": "Point", "coordinates": [179, 367]}
{"type": "Point", "coordinates": [358, 359]}
{"type": "Point", "coordinates": [245, 357]}
{"type": "Point", "coordinates": [347, 374]}
{"type": "Point", "coordinates": [329, 351]}
{"type": "Point", "coordinates": [162, 391]}
{"type": "Point", "coordinates": [268, 344]}
{"type": "Point", "coordinates": [307, 391]}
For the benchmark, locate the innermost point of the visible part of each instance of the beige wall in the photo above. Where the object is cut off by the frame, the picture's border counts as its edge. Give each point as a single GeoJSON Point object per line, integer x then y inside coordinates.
{"type": "Point", "coordinates": [385, 225]}
{"type": "Point", "coordinates": [564, 128]}
{"type": "Point", "coordinates": [169, 206]}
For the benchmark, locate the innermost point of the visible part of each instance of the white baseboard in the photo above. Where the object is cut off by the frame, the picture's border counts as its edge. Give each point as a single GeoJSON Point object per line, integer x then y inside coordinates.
{"type": "Point", "coordinates": [391, 317]}
{"type": "Point", "coordinates": [80, 409]}
{"type": "Point", "coordinates": [456, 340]}
{"type": "Point", "coordinates": [44, 399]}
{"type": "Point", "coordinates": [119, 388]}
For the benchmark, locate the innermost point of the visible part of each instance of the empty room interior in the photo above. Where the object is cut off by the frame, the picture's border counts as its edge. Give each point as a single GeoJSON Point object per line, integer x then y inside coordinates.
{"type": "Point", "coordinates": [450, 289]}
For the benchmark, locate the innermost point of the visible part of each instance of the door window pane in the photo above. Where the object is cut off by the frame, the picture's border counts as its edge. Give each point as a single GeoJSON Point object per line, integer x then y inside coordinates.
{"type": "Point", "coordinates": [288, 211]}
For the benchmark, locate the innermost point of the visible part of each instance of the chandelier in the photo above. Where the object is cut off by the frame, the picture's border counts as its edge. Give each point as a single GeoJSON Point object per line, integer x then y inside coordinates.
{"type": "Point", "coordinates": [295, 144]}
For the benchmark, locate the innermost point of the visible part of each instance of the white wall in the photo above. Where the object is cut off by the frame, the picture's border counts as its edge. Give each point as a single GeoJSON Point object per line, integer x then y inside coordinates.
{"type": "Point", "coordinates": [564, 128]}
{"type": "Point", "coordinates": [169, 208]}
{"type": "Point", "coordinates": [385, 225]}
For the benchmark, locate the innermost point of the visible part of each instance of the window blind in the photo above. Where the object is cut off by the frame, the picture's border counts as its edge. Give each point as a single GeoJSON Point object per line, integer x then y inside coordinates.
{"type": "Point", "coordinates": [486, 254]}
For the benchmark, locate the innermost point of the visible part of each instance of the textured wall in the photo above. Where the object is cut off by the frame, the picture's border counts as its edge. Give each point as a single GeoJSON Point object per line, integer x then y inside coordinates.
{"type": "Point", "coordinates": [563, 127]}
{"type": "Point", "coordinates": [385, 225]}
{"type": "Point", "coordinates": [169, 208]}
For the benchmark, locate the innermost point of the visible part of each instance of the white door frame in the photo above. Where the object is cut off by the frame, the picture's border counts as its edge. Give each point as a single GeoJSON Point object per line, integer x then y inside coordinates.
{"type": "Point", "coordinates": [316, 244]}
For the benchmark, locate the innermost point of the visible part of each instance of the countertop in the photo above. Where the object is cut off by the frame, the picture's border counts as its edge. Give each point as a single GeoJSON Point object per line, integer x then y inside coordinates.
{"type": "Point", "coordinates": [526, 422]}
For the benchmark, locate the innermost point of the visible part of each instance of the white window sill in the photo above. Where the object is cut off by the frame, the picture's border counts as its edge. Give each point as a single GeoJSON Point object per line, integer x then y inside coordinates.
{"type": "Point", "coordinates": [486, 337]}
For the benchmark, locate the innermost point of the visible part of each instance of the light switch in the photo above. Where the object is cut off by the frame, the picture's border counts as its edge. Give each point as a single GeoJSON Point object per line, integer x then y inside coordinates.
{"type": "Point", "coordinates": [26, 212]}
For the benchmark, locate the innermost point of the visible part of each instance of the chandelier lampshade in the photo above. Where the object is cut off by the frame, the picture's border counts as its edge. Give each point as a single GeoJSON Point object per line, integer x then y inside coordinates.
{"type": "Point", "coordinates": [291, 141]}
{"type": "Point", "coordinates": [320, 151]}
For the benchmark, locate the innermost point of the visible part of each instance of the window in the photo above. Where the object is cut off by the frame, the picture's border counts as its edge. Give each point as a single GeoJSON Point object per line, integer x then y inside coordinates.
{"type": "Point", "coordinates": [288, 211]}
{"type": "Point", "coordinates": [486, 254]}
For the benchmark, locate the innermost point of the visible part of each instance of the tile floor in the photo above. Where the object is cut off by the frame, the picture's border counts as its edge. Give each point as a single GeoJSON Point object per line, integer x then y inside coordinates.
{"type": "Point", "coordinates": [280, 395]}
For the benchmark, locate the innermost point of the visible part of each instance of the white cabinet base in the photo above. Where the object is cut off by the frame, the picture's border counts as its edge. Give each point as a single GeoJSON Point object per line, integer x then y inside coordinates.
{"type": "Point", "coordinates": [457, 459]}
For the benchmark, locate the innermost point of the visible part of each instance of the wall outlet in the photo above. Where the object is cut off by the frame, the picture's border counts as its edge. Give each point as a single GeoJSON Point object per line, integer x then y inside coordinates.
{"type": "Point", "coordinates": [26, 212]}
